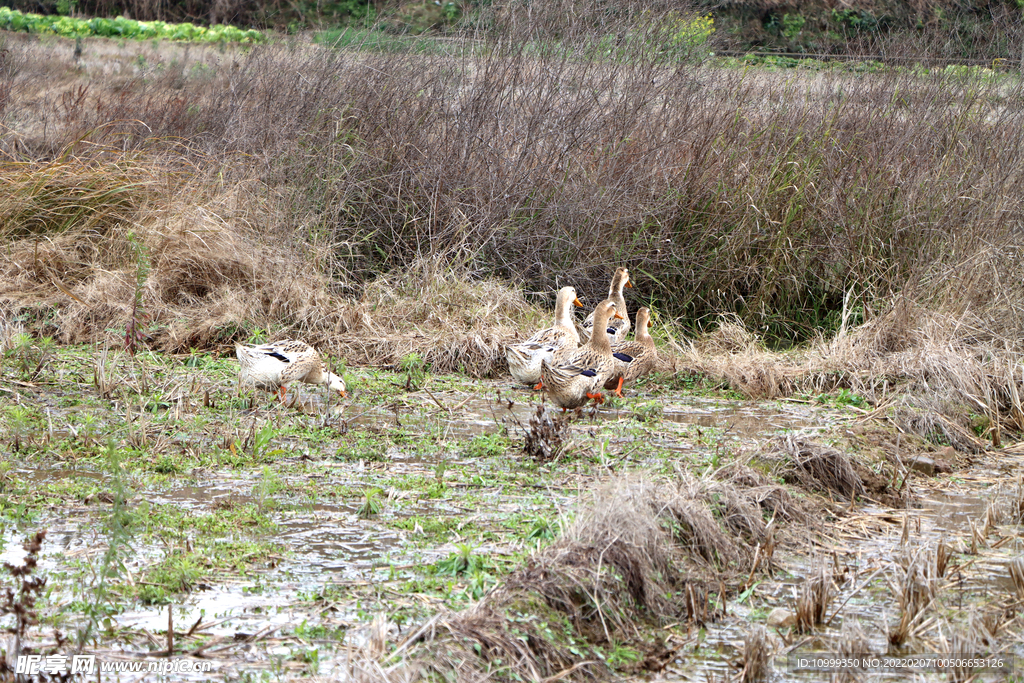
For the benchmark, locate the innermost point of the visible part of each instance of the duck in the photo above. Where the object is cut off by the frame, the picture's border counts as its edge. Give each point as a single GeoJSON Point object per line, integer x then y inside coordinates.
{"type": "Point", "coordinates": [576, 378]}
{"type": "Point", "coordinates": [525, 358]}
{"type": "Point", "coordinates": [618, 328]}
{"type": "Point", "coordinates": [272, 367]}
{"type": "Point", "coordinates": [635, 358]}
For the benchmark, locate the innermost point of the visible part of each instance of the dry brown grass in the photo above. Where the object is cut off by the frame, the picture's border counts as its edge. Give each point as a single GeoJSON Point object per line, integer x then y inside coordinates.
{"type": "Point", "coordinates": [816, 467]}
{"type": "Point", "coordinates": [852, 642]}
{"type": "Point", "coordinates": [640, 551]}
{"type": "Point", "coordinates": [756, 655]}
{"type": "Point", "coordinates": [816, 594]}
{"type": "Point", "coordinates": [774, 196]}
{"type": "Point", "coordinates": [1016, 571]}
{"type": "Point", "coordinates": [931, 373]}
{"type": "Point", "coordinates": [546, 434]}
{"type": "Point", "coordinates": [215, 274]}
{"type": "Point", "coordinates": [915, 584]}
{"type": "Point", "coordinates": [453, 320]}
{"type": "Point", "coordinates": [371, 202]}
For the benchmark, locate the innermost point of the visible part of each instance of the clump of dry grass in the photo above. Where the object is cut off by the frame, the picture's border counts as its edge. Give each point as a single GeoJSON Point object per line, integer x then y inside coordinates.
{"type": "Point", "coordinates": [732, 354]}
{"type": "Point", "coordinates": [1015, 503]}
{"type": "Point", "coordinates": [10, 330]}
{"type": "Point", "coordinates": [774, 500]}
{"type": "Point", "coordinates": [964, 647]}
{"type": "Point", "coordinates": [1016, 571]}
{"type": "Point", "coordinates": [546, 434]}
{"type": "Point", "coordinates": [816, 467]}
{"type": "Point", "coordinates": [816, 594]}
{"type": "Point", "coordinates": [914, 583]}
{"type": "Point", "coordinates": [476, 153]}
{"type": "Point", "coordinates": [756, 655]}
{"type": "Point", "coordinates": [454, 321]}
{"type": "Point", "coordinates": [79, 231]}
{"type": "Point", "coordinates": [640, 550]}
{"type": "Point", "coordinates": [934, 373]}
{"type": "Point", "coordinates": [209, 275]}
{"type": "Point", "coordinates": [852, 642]}
{"type": "Point", "coordinates": [69, 195]}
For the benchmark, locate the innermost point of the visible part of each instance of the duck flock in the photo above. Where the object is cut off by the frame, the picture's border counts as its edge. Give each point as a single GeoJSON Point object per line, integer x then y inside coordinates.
{"type": "Point", "coordinates": [570, 368]}
{"type": "Point", "coordinates": [571, 374]}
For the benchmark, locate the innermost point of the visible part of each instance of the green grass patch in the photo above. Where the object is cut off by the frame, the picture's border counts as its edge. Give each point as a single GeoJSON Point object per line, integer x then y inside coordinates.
{"type": "Point", "coordinates": [74, 27]}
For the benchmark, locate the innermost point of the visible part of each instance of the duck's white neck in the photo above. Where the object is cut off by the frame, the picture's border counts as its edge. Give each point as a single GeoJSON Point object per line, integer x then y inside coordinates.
{"type": "Point", "coordinates": [599, 338]}
{"type": "Point", "coordinates": [563, 311]}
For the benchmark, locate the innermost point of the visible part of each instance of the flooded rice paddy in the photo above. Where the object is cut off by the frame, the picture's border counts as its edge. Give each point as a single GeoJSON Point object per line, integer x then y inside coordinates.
{"type": "Point", "coordinates": [280, 543]}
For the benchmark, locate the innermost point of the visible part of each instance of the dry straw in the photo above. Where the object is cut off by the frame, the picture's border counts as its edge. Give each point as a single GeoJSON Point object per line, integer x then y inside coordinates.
{"type": "Point", "coordinates": [640, 551]}
{"type": "Point", "coordinates": [298, 189]}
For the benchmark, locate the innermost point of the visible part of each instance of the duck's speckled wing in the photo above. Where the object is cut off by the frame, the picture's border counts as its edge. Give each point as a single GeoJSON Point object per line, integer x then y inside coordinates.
{"type": "Point", "coordinates": [632, 360]}
{"type": "Point", "coordinates": [525, 358]}
{"type": "Point", "coordinates": [271, 365]}
{"type": "Point", "coordinates": [568, 383]}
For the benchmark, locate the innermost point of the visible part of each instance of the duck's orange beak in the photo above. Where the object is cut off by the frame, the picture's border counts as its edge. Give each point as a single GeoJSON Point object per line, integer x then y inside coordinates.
{"type": "Point", "coordinates": [629, 283]}
{"type": "Point", "coordinates": [343, 393]}
{"type": "Point", "coordinates": [618, 315]}
{"type": "Point", "coordinates": [577, 301]}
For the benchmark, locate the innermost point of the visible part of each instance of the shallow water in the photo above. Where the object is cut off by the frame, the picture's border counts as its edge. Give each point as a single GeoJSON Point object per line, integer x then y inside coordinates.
{"type": "Point", "coordinates": [327, 544]}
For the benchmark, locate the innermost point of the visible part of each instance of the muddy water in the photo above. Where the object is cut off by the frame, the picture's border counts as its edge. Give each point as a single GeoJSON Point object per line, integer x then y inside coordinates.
{"type": "Point", "coordinates": [475, 415]}
{"type": "Point", "coordinates": [863, 561]}
{"type": "Point", "coordinates": [327, 544]}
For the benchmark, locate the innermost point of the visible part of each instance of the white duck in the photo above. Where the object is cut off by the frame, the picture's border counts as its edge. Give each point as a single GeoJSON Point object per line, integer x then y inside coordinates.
{"type": "Point", "coordinates": [617, 327]}
{"type": "Point", "coordinates": [525, 358]}
{"type": "Point", "coordinates": [272, 367]}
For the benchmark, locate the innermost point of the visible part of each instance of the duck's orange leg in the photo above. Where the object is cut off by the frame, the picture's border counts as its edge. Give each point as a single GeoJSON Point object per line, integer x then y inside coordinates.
{"type": "Point", "coordinates": [599, 397]}
{"type": "Point", "coordinates": [618, 389]}
{"type": "Point", "coordinates": [538, 386]}
{"type": "Point", "coordinates": [281, 391]}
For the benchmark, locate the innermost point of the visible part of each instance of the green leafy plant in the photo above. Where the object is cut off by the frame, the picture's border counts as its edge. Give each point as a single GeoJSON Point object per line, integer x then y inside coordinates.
{"type": "Point", "coordinates": [29, 356]}
{"type": "Point", "coordinates": [117, 524]}
{"type": "Point", "coordinates": [177, 572]}
{"type": "Point", "coordinates": [857, 20]}
{"type": "Point", "coordinates": [541, 530]}
{"type": "Point", "coordinates": [651, 411]}
{"type": "Point", "coordinates": [488, 445]}
{"type": "Point", "coordinates": [792, 25]}
{"type": "Point", "coordinates": [843, 397]}
{"type": "Point", "coordinates": [371, 505]}
{"type": "Point", "coordinates": [415, 369]}
{"type": "Point", "coordinates": [21, 426]}
{"type": "Point", "coordinates": [259, 441]}
{"type": "Point", "coordinates": [480, 581]}
{"type": "Point", "coordinates": [690, 33]}
{"type": "Point", "coordinates": [462, 562]}
{"type": "Point", "coordinates": [269, 484]}
{"type": "Point", "coordinates": [14, 20]}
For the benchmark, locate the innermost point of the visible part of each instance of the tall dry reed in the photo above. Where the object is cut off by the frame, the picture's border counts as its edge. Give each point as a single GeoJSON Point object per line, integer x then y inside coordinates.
{"type": "Point", "coordinates": [549, 153]}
